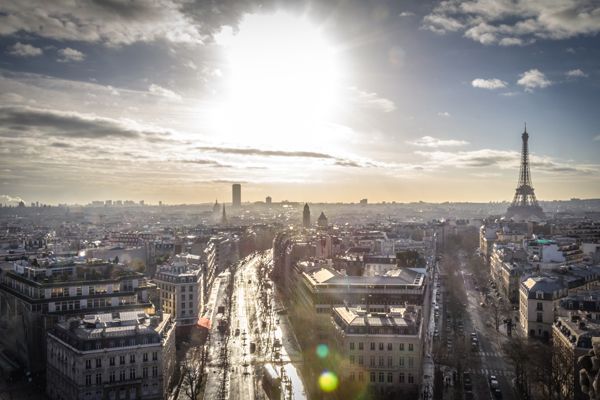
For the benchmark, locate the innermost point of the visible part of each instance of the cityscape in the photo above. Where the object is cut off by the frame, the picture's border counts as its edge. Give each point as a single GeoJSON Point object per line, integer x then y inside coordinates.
{"type": "Point", "coordinates": [299, 200]}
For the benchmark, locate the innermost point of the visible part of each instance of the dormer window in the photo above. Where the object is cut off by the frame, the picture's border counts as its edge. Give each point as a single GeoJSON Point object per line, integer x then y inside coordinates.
{"type": "Point", "coordinates": [539, 294]}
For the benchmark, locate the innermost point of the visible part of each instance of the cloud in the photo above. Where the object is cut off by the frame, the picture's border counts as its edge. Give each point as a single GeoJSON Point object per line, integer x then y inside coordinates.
{"type": "Point", "coordinates": [533, 79]}
{"type": "Point", "coordinates": [61, 145]}
{"type": "Point", "coordinates": [515, 23]}
{"type": "Point", "coordinates": [406, 14]}
{"type": "Point", "coordinates": [200, 161]}
{"type": "Point", "coordinates": [8, 199]}
{"type": "Point", "coordinates": [24, 50]}
{"type": "Point", "coordinates": [266, 153]}
{"type": "Point", "coordinates": [444, 114]}
{"type": "Point", "coordinates": [109, 22]}
{"type": "Point", "coordinates": [348, 163]}
{"type": "Point", "coordinates": [68, 54]}
{"type": "Point", "coordinates": [489, 84]}
{"type": "Point", "coordinates": [501, 159]}
{"type": "Point", "coordinates": [576, 73]}
{"type": "Point", "coordinates": [46, 122]}
{"type": "Point", "coordinates": [163, 92]}
{"type": "Point", "coordinates": [428, 141]}
{"type": "Point", "coordinates": [372, 100]}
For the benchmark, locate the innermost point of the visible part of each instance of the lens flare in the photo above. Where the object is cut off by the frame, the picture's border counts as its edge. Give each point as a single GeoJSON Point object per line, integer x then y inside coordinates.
{"type": "Point", "coordinates": [322, 350]}
{"type": "Point", "coordinates": [328, 381]}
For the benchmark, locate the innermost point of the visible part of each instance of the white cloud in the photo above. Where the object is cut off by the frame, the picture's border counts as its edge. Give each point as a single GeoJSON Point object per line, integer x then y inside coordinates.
{"type": "Point", "coordinates": [108, 22]}
{"type": "Point", "coordinates": [444, 114]}
{"type": "Point", "coordinates": [428, 141]}
{"type": "Point", "coordinates": [576, 73]}
{"type": "Point", "coordinates": [161, 91]}
{"type": "Point", "coordinates": [8, 199]}
{"type": "Point", "coordinates": [24, 50]}
{"type": "Point", "coordinates": [190, 64]}
{"type": "Point", "coordinates": [68, 54]}
{"type": "Point", "coordinates": [490, 84]}
{"type": "Point", "coordinates": [372, 100]}
{"type": "Point", "coordinates": [515, 23]}
{"type": "Point", "coordinates": [406, 14]}
{"type": "Point", "coordinates": [533, 79]}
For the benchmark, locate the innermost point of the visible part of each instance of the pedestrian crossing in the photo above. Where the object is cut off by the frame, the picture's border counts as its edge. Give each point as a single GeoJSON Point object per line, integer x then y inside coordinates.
{"type": "Point", "coordinates": [488, 372]}
{"type": "Point", "coordinates": [488, 354]}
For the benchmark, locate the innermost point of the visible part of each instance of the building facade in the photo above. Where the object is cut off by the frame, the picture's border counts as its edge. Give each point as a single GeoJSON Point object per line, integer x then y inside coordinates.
{"type": "Point", "coordinates": [126, 355]}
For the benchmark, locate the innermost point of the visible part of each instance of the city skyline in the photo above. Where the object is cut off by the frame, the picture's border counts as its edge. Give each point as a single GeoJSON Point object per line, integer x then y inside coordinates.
{"type": "Point", "coordinates": [418, 101]}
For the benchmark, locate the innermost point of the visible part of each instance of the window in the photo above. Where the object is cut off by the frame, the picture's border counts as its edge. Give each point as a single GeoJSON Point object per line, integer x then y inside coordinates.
{"type": "Point", "coordinates": [389, 347]}
{"type": "Point", "coordinates": [352, 359]}
{"type": "Point", "coordinates": [190, 296]}
{"type": "Point", "coordinates": [122, 375]}
{"type": "Point", "coordinates": [88, 380]}
{"type": "Point", "coordinates": [183, 297]}
{"type": "Point", "coordinates": [372, 345]}
{"type": "Point", "coordinates": [111, 377]}
{"type": "Point", "coordinates": [361, 377]}
{"type": "Point", "coordinates": [390, 377]}
{"type": "Point", "coordinates": [154, 371]}
{"type": "Point", "coordinates": [98, 362]}
{"type": "Point", "coordinates": [131, 358]}
{"type": "Point", "coordinates": [410, 347]}
{"type": "Point", "coordinates": [98, 379]}
{"type": "Point", "coordinates": [154, 356]}
{"type": "Point", "coordinates": [401, 377]}
{"type": "Point", "coordinates": [121, 360]}
{"type": "Point", "coordinates": [111, 361]}
{"type": "Point", "coordinates": [381, 377]}
{"type": "Point", "coordinates": [372, 361]}
{"type": "Point", "coordinates": [145, 372]}
{"type": "Point", "coordinates": [145, 357]}
{"type": "Point", "coordinates": [183, 288]}
{"type": "Point", "coordinates": [352, 376]}
{"type": "Point", "coordinates": [372, 376]}
{"type": "Point", "coordinates": [411, 379]}
{"type": "Point", "coordinates": [351, 345]}
{"type": "Point", "coordinates": [401, 361]}
{"type": "Point", "coordinates": [401, 346]}
{"type": "Point", "coordinates": [88, 364]}
{"type": "Point", "coordinates": [131, 373]}
{"type": "Point", "coordinates": [360, 346]}
{"type": "Point", "coordinates": [540, 306]}
{"type": "Point", "coordinates": [380, 346]}
{"type": "Point", "coordinates": [410, 362]}
{"type": "Point", "coordinates": [381, 361]}
{"type": "Point", "coordinates": [390, 361]}
{"type": "Point", "coordinates": [540, 317]}
{"type": "Point", "coordinates": [360, 360]}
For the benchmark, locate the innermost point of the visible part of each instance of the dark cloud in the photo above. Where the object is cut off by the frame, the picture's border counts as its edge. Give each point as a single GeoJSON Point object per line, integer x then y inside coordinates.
{"type": "Point", "coordinates": [347, 163]}
{"type": "Point", "coordinates": [211, 163]}
{"type": "Point", "coordinates": [70, 125]}
{"type": "Point", "coordinates": [61, 145]}
{"type": "Point", "coordinates": [266, 153]}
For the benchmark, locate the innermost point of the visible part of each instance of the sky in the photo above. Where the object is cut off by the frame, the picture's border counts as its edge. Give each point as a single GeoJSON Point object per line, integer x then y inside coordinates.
{"type": "Point", "coordinates": [328, 101]}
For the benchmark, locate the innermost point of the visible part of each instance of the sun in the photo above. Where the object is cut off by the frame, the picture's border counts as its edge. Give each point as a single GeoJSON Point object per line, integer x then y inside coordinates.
{"type": "Point", "coordinates": [281, 79]}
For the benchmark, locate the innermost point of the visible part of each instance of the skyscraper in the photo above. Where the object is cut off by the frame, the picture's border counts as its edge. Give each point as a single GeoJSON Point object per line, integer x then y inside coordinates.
{"type": "Point", "coordinates": [524, 206]}
{"type": "Point", "coordinates": [236, 190]}
{"type": "Point", "coordinates": [306, 216]}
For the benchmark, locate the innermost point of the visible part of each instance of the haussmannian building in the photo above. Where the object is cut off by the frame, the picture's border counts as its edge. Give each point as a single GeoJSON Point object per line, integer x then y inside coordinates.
{"type": "Point", "coordinates": [381, 350]}
{"type": "Point", "coordinates": [111, 356]}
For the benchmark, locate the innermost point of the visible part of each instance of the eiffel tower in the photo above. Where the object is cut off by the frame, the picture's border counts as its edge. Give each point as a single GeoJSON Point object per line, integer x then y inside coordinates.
{"type": "Point", "coordinates": [524, 206]}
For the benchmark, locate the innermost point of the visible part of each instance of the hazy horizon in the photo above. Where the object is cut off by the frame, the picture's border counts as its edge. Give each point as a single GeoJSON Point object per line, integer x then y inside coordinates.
{"type": "Point", "coordinates": [310, 101]}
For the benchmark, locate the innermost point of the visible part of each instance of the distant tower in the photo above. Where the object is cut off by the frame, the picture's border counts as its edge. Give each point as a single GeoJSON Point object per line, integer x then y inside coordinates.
{"type": "Point", "coordinates": [224, 217]}
{"type": "Point", "coordinates": [216, 207]}
{"type": "Point", "coordinates": [268, 200]}
{"type": "Point", "coordinates": [322, 221]}
{"type": "Point", "coordinates": [524, 206]}
{"type": "Point", "coordinates": [306, 216]}
{"type": "Point", "coordinates": [236, 190]}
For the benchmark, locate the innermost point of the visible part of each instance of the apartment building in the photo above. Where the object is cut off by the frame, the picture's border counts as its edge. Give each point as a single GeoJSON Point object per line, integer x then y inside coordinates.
{"type": "Point", "coordinates": [124, 355]}
{"type": "Point", "coordinates": [381, 350]}
{"type": "Point", "coordinates": [35, 295]}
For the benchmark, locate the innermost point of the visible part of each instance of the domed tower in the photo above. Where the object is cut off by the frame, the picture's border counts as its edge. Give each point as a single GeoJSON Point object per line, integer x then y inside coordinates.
{"type": "Point", "coordinates": [306, 216]}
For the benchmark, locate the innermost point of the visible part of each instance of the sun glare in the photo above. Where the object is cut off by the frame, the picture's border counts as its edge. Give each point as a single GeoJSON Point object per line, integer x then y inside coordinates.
{"type": "Point", "coordinates": [281, 79]}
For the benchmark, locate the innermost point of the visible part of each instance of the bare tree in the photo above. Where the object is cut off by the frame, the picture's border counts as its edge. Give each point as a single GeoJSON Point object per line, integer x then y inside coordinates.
{"type": "Point", "coordinates": [192, 372]}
